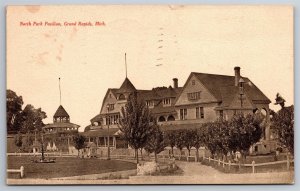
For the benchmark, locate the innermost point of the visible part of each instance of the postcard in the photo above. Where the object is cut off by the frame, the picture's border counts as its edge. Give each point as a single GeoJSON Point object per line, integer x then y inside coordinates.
{"type": "Point", "coordinates": [150, 94]}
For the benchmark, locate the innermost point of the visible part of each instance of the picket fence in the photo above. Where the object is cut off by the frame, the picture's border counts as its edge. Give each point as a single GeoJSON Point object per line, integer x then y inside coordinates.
{"type": "Point", "coordinates": [253, 164]}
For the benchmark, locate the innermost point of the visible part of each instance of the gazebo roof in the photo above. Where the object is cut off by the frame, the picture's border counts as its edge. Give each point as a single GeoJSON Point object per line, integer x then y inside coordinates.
{"type": "Point", "coordinates": [61, 112]}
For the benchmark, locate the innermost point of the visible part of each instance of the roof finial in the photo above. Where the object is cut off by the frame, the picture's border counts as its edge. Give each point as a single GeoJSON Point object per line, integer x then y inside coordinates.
{"type": "Point", "coordinates": [125, 65]}
{"type": "Point", "coordinates": [59, 91]}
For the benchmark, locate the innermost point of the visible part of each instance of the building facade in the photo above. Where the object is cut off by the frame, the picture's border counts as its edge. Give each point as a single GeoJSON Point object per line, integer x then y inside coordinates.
{"type": "Point", "coordinates": [203, 98]}
{"type": "Point", "coordinates": [58, 135]}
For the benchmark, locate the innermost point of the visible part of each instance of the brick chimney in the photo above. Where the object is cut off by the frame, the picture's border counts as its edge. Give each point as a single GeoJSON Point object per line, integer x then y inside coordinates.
{"type": "Point", "coordinates": [175, 83]}
{"type": "Point", "coordinates": [237, 75]}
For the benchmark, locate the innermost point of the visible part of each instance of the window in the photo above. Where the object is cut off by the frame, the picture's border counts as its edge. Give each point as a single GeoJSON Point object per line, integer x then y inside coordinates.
{"type": "Point", "coordinates": [161, 118]}
{"type": "Point", "coordinates": [199, 112]}
{"type": "Point", "coordinates": [193, 95]}
{"type": "Point", "coordinates": [121, 97]}
{"type": "Point", "coordinates": [150, 103]}
{"type": "Point", "coordinates": [183, 114]}
{"type": "Point", "coordinates": [167, 101]}
{"type": "Point", "coordinates": [109, 95]}
{"type": "Point", "coordinates": [221, 114]}
{"type": "Point", "coordinates": [112, 119]}
{"type": "Point", "coordinates": [111, 107]}
{"type": "Point", "coordinates": [193, 82]}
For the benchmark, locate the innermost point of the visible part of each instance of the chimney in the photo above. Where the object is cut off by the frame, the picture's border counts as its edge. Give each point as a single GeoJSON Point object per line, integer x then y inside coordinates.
{"type": "Point", "coordinates": [175, 82]}
{"type": "Point", "coordinates": [237, 75]}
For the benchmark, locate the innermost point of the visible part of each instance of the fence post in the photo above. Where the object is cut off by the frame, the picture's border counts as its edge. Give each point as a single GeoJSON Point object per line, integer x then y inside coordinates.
{"type": "Point", "coordinates": [208, 159]}
{"type": "Point", "coordinates": [223, 163]}
{"type": "Point", "coordinates": [253, 167]}
{"type": "Point", "coordinates": [203, 155]}
{"type": "Point", "coordinates": [229, 164]}
{"type": "Point", "coordinates": [219, 161]}
{"type": "Point", "coordinates": [22, 171]}
{"type": "Point", "coordinates": [288, 161]}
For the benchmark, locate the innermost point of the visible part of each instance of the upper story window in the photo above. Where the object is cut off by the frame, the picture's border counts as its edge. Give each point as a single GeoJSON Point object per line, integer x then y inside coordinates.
{"type": "Point", "coordinates": [109, 95]}
{"type": "Point", "coordinates": [111, 107]}
{"type": "Point", "coordinates": [150, 103]}
{"type": "Point", "coordinates": [194, 95]}
{"type": "Point", "coordinates": [199, 112]}
{"type": "Point", "coordinates": [221, 114]}
{"type": "Point", "coordinates": [121, 97]}
{"type": "Point", "coordinates": [183, 114]}
{"type": "Point", "coordinates": [112, 119]}
{"type": "Point", "coordinates": [193, 82]}
{"type": "Point", "coordinates": [167, 101]}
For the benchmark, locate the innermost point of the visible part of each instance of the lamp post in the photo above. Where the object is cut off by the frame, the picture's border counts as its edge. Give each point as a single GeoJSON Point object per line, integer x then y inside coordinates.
{"type": "Point", "coordinates": [108, 121]}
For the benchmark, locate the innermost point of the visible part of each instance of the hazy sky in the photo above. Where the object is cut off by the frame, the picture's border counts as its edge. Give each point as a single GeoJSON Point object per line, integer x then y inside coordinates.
{"type": "Point", "coordinates": [179, 39]}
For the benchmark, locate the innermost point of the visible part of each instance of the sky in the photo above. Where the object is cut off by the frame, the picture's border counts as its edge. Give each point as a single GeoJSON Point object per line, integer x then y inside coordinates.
{"type": "Point", "coordinates": [161, 42]}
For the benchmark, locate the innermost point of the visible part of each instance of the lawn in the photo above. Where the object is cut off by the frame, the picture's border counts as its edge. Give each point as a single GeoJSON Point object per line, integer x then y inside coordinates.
{"type": "Point", "coordinates": [65, 166]}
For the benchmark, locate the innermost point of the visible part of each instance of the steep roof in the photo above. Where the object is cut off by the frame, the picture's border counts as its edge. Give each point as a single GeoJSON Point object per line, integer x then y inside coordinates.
{"type": "Point", "coordinates": [223, 88]}
{"type": "Point", "coordinates": [126, 86]}
{"type": "Point", "coordinates": [61, 112]}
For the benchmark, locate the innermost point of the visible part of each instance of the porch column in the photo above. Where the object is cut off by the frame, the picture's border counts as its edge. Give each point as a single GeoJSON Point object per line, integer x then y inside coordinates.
{"type": "Point", "coordinates": [267, 130]}
{"type": "Point", "coordinates": [114, 142]}
{"type": "Point", "coordinates": [97, 139]}
{"type": "Point", "coordinates": [104, 141]}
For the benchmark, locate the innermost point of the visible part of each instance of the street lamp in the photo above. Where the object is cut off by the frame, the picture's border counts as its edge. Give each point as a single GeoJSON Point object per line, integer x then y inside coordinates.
{"type": "Point", "coordinates": [108, 121]}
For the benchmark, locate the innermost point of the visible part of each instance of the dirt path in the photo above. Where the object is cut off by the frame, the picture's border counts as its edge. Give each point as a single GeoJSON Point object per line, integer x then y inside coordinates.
{"type": "Point", "coordinates": [197, 169]}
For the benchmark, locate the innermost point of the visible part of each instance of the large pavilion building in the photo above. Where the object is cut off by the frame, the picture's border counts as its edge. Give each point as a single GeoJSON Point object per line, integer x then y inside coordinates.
{"type": "Point", "coordinates": [203, 98]}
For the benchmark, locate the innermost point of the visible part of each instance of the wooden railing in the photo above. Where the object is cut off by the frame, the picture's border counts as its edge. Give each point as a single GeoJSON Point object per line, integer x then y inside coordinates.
{"type": "Point", "coordinates": [253, 164]}
{"type": "Point", "coordinates": [21, 171]}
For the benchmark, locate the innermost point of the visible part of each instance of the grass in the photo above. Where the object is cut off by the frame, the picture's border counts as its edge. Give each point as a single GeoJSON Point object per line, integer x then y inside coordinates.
{"type": "Point", "coordinates": [65, 166]}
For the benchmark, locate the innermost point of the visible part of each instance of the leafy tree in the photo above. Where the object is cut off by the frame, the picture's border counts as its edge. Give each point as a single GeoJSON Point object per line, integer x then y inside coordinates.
{"type": "Point", "coordinates": [79, 142]}
{"type": "Point", "coordinates": [244, 131]}
{"type": "Point", "coordinates": [283, 123]}
{"type": "Point", "coordinates": [155, 143]}
{"type": "Point", "coordinates": [136, 123]}
{"type": "Point", "coordinates": [198, 140]}
{"type": "Point", "coordinates": [170, 138]}
{"type": "Point", "coordinates": [188, 139]}
{"type": "Point", "coordinates": [13, 109]}
{"type": "Point", "coordinates": [32, 119]}
{"type": "Point", "coordinates": [18, 140]}
{"type": "Point", "coordinates": [180, 140]}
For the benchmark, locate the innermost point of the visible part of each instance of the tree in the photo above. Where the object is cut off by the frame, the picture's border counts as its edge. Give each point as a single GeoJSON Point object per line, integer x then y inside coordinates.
{"type": "Point", "coordinates": [79, 142]}
{"type": "Point", "coordinates": [283, 123]}
{"type": "Point", "coordinates": [136, 123]}
{"type": "Point", "coordinates": [18, 140]}
{"type": "Point", "coordinates": [180, 140]}
{"type": "Point", "coordinates": [32, 119]}
{"type": "Point", "coordinates": [244, 131]}
{"type": "Point", "coordinates": [198, 140]}
{"type": "Point", "coordinates": [170, 138]}
{"type": "Point", "coordinates": [188, 139]}
{"type": "Point", "coordinates": [155, 143]}
{"type": "Point", "coordinates": [13, 109]}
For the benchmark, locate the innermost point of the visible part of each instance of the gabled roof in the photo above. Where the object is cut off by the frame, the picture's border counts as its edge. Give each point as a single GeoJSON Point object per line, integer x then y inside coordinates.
{"type": "Point", "coordinates": [221, 86]}
{"type": "Point", "coordinates": [61, 112]}
{"type": "Point", "coordinates": [127, 86]}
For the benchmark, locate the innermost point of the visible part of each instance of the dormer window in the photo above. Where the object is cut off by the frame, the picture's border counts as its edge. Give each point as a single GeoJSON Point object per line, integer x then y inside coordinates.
{"type": "Point", "coordinates": [194, 96]}
{"type": "Point", "coordinates": [121, 97]}
{"type": "Point", "coordinates": [150, 103]}
{"type": "Point", "coordinates": [167, 101]}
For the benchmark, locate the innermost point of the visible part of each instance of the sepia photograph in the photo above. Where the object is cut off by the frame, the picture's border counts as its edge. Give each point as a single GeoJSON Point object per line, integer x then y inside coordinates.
{"type": "Point", "coordinates": [149, 94]}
